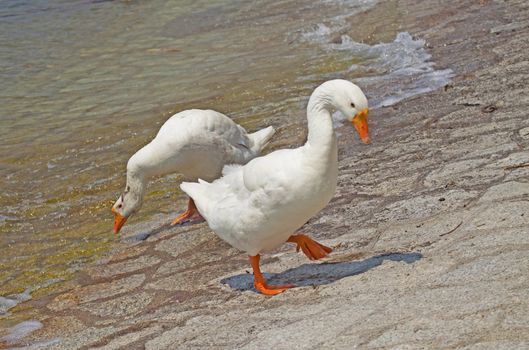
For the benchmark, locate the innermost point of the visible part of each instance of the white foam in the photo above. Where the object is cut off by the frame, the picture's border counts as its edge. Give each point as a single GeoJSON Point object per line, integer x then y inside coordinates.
{"type": "Point", "coordinates": [10, 301]}
{"type": "Point", "coordinates": [394, 71]}
{"type": "Point", "coordinates": [13, 300]}
{"type": "Point", "coordinates": [21, 330]}
{"type": "Point", "coordinates": [397, 70]}
{"type": "Point", "coordinates": [321, 32]}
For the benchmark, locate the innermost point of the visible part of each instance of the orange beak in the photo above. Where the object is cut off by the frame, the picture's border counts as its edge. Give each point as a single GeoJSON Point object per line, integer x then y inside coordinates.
{"type": "Point", "coordinates": [360, 124]}
{"type": "Point", "coordinates": [119, 221]}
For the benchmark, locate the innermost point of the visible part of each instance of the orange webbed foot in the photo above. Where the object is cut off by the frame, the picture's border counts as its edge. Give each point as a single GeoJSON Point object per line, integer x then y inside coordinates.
{"type": "Point", "coordinates": [260, 282]}
{"type": "Point", "coordinates": [312, 249]}
{"type": "Point", "coordinates": [188, 214]}
{"type": "Point", "coordinates": [266, 289]}
{"type": "Point", "coordinates": [182, 218]}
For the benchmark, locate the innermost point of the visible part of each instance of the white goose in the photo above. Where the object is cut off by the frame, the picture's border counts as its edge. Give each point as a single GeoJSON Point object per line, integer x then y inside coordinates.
{"type": "Point", "coordinates": [258, 206]}
{"type": "Point", "coordinates": [196, 143]}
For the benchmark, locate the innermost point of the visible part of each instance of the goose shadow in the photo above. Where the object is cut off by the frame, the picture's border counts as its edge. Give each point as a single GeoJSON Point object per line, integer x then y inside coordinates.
{"type": "Point", "coordinates": [319, 274]}
{"type": "Point", "coordinates": [144, 234]}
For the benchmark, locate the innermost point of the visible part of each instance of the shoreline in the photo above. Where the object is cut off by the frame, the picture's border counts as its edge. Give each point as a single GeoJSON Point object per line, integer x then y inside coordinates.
{"type": "Point", "coordinates": [67, 227]}
{"type": "Point", "coordinates": [427, 227]}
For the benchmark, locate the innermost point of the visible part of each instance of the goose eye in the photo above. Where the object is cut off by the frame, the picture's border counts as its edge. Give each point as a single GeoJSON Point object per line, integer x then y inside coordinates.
{"type": "Point", "coordinates": [127, 189]}
{"type": "Point", "coordinates": [120, 206]}
{"type": "Point", "coordinates": [353, 105]}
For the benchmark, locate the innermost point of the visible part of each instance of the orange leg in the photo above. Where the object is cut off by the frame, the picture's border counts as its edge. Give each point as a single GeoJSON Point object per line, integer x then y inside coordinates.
{"type": "Point", "coordinates": [188, 214]}
{"type": "Point", "coordinates": [260, 282]}
{"type": "Point", "coordinates": [312, 249]}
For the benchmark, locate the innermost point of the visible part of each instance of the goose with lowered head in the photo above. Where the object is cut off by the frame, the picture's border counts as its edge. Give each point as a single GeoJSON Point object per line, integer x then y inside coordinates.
{"type": "Point", "coordinates": [258, 206]}
{"type": "Point", "coordinates": [195, 143]}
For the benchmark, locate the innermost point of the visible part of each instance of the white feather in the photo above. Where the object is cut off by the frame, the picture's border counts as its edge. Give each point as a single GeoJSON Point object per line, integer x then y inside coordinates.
{"type": "Point", "coordinates": [195, 143]}
{"type": "Point", "coordinates": [257, 206]}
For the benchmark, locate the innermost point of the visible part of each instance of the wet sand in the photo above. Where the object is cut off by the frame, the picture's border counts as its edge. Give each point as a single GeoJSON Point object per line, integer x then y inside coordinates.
{"type": "Point", "coordinates": [428, 225]}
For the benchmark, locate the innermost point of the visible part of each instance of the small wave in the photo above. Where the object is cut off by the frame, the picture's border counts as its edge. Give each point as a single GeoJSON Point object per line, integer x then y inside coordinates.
{"type": "Point", "coordinates": [319, 33]}
{"type": "Point", "coordinates": [322, 32]}
{"type": "Point", "coordinates": [10, 301]}
{"type": "Point", "coordinates": [397, 70]}
{"type": "Point", "coordinates": [391, 71]}
{"type": "Point", "coordinates": [402, 69]}
{"type": "Point", "coordinates": [13, 300]}
{"type": "Point", "coordinates": [21, 330]}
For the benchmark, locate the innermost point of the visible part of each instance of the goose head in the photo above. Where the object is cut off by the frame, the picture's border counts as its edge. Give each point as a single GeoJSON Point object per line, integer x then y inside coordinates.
{"type": "Point", "coordinates": [127, 204]}
{"type": "Point", "coordinates": [349, 99]}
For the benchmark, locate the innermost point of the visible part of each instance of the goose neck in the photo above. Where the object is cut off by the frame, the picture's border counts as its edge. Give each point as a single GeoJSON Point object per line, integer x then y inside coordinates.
{"type": "Point", "coordinates": [321, 132]}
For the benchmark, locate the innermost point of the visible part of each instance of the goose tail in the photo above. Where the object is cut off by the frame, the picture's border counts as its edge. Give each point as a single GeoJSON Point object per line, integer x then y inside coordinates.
{"type": "Point", "coordinates": [261, 138]}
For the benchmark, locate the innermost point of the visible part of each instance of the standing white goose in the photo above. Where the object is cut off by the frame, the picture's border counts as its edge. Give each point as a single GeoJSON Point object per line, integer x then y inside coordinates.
{"type": "Point", "coordinates": [196, 143]}
{"type": "Point", "coordinates": [258, 206]}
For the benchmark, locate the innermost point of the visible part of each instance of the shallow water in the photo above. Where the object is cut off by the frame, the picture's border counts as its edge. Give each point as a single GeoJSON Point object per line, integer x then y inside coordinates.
{"type": "Point", "coordinates": [21, 330]}
{"type": "Point", "coordinates": [87, 83]}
